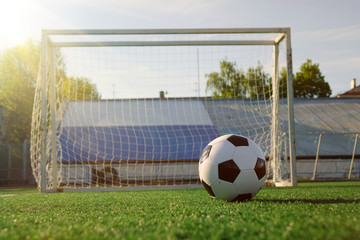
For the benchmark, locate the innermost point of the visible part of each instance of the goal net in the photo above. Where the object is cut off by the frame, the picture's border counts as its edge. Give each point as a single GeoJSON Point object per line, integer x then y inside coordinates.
{"type": "Point", "coordinates": [118, 109]}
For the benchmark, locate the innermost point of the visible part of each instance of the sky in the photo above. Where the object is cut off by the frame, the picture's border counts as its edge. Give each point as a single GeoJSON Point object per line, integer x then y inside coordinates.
{"type": "Point", "coordinates": [325, 31]}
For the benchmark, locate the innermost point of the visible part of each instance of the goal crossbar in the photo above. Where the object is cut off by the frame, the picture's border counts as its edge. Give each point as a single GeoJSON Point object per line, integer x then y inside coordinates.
{"type": "Point", "coordinates": [164, 31]}
{"type": "Point", "coordinates": [161, 43]}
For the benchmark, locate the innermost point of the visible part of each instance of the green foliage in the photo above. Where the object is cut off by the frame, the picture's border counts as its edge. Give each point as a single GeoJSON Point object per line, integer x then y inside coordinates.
{"type": "Point", "coordinates": [231, 82]}
{"type": "Point", "coordinates": [258, 82]}
{"type": "Point", "coordinates": [283, 83]}
{"type": "Point", "coordinates": [79, 88]}
{"type": "Point", "coordinates": [18, 73]}
{"type": "Point", "coordinates": [19, 67]}
{"type": "Point", "coordinates": [310, 211]}
{"type": "Point", "coordinates": [310, 83]}
{"type": "Point", "coordinates": [255, 83]}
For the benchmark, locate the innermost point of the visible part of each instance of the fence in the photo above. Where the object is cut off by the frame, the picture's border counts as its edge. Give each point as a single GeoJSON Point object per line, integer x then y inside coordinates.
{"type": "Point", "coordinates": [328, 156]}
{"type": "Point", "coordinates": [15, 168]}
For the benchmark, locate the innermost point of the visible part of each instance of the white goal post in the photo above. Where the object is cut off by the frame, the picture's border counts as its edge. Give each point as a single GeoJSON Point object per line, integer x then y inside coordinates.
{"type": "Point", "coordinates": [99, 122]}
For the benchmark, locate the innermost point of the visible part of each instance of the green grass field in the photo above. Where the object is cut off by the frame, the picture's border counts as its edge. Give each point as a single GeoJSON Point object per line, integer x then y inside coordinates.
{"type": "Point", "coordinates": [309, 211]}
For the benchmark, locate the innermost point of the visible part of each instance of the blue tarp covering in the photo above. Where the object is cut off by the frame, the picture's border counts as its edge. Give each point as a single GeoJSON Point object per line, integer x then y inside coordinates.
{"type": "Point", "coordinates": [116, 143]}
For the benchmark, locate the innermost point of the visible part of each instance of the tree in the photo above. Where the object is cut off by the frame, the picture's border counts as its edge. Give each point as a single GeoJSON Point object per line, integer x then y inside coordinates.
{"type": "Point", "coordinates": [255, 83]}
{"type": "Point", "coordinates": [18, 72]}
{"type": "Point", "coordinates": [283, 83]}
{"type": "Point", "coordinates": [19, 67]}
{"type": "Point", "coordinates": [229, 83]}
{"type": "Point", "coordinates": [235, 83]}
{"type": "Point", "coordinates": [310, 83]}
{"type": "Point", "coordinates": [79, 88]}
{"type": "Point", "coordinates": [258, 82]}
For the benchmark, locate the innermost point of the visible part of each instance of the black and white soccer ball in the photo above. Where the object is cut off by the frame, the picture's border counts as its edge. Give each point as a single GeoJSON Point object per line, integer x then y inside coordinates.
{"type": "Point", "coordinates": [232, 168]}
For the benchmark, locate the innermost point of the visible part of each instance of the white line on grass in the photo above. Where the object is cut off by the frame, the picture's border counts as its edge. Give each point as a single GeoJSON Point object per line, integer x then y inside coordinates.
{"type": "Point", "coordinates": [8, 195]}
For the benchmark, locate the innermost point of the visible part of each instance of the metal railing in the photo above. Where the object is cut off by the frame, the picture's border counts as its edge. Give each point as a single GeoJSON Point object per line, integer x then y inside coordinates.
{"type": "Point", "coordinates": [318, 152]}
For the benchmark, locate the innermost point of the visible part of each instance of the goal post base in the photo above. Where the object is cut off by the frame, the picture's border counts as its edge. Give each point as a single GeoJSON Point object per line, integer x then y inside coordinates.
{"type": "Point", "coordinates": [285, 183]}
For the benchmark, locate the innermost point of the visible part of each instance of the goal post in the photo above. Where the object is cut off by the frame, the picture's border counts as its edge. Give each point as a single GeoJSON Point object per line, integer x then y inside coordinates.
{"type": "Point", "coordinates": [291, 119]}
{"type": "Point", "coordinates": [99, 123]}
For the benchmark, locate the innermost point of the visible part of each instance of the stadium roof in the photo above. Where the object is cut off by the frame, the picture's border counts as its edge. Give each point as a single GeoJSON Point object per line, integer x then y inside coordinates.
{"type": "Point", "coordinates": [179, 128]}
{"type": "Point", "coordinates": [338, 119]}
{"type": "Point", "coordinates": [327, 115]}
{"type": "Point", "coordinates": [134, 130]}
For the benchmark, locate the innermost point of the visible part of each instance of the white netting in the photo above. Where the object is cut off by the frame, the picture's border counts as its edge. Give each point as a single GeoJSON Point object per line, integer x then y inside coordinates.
{"type": "Point", "coordinates": [113, 129]}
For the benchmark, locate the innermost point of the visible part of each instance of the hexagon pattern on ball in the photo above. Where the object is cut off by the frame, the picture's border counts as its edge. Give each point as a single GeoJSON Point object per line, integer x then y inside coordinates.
{"type": "Point", "coordinates": [238, 141]}
{"type": "Point", "coordinates": [224, 190]}
{"type": "Point", "coordinates": [247, 182]}
{"type": "Point", "coordinates": [233, 169]}
{"type": "Point", "coordinates": [228, 171]}
{"type": "Point", "coordinates": [222, 150]}
{"type": "Point", "coordinates": [260, 168]}
{"type": "Point", "coordinates": [245, 158]}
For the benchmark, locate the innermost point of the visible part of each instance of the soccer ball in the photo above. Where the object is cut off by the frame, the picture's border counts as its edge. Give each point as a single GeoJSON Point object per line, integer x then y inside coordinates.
{"type": "Point", "coordinates": [232, 168]}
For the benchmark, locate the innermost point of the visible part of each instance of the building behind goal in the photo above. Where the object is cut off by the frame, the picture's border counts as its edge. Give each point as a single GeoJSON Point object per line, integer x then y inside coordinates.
{"type": "Point", "coordinates": [98, 122]}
